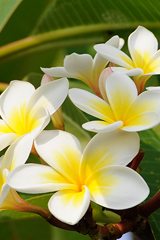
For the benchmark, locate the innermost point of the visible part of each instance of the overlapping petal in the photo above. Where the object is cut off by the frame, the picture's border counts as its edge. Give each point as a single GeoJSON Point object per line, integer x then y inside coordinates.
{"type": "Point", "coordinates": [36, 178]}
{"type": "Point", "coordinates": [102, 126]}
{"type": "Point", "coordinates": [121, 93]}
{"type": "Point", "coordinates": [50, 95]}
{"type": "Point", "coordinates": [60, 150]}
{"type": "Point", "coordinates": [18, 152]}
{"type": "Point", "coordinates": [69, 206]}
{"type": "Point", "coordinates": [114, 55]}
{"type": "Point", "coordinates": [109, 148]}
{"type": "Point", "coordinates": [91, 104]}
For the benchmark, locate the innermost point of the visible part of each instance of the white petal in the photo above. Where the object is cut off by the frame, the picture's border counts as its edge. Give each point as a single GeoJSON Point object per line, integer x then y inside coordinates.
{"type": "Point", "coordinates": [157, 89]}
{"type": "Point", "coordinates": [117, 187]}
{"type": "Point", "coordinates": [142, 42]}
{"type": "Point", "coordinates": [132, 72]}
{"type": "Point", "coordinates": [102, 82]}
{"type": "Point", "coordinates": [18, 153]}
{"type": "Point", "coordinates": [121, 92]}
{"type": "Point", "coordinates": [114, 55]}
{"type": "Point", "coordinates": [17, 94]}
{"type": "Point", "coordinates": [69, 206]}
{"type": "Point", "coordinates": [121, 43]}
{"type": "Point", "coordinates": [101, 126]}
{"type": "Point", "coordinates": [62, 151]}
{"type": "Point", "coordinates": [79, 66]}
{"type": "Point", "coordinates": [46, 79]}
{"type": "Point", "coordinates": [51, 95]}
{"type": "Point", "coordinates": [109, 148]}
{"type": "Point", "coordinates": [56, 72]}
{"type": "Point", "coordinates": [4, 192]}
{"type": "Point", "coordinates": [37, 178]}
{"type": "Point", "coordinates": [100, 62]}
{"type": "Point", "coordinates": [91, 104]}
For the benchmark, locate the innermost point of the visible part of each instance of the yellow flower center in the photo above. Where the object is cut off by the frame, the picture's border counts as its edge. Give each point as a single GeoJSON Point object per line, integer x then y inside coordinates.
{"type": "Point", "coordinates": [22, 120]}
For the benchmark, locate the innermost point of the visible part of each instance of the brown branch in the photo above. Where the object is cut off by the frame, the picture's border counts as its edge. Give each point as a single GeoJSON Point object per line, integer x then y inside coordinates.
{"type": "Point", "coordinates": [136, 160]}
{"type": "Point", "coordinates": [150, 206]}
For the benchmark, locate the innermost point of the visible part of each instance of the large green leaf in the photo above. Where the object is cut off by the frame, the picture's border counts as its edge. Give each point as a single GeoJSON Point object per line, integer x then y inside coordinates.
{"type": "Point", "coordinates": [7, 7]}
{"type": "Point", "coordinates": [65, 19]}
{"type": "Point", "coordinates": [150, 170]}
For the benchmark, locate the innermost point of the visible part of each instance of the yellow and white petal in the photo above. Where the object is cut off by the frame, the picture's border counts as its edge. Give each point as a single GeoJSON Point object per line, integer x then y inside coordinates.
{"type": "Point", "coordinates": [18, 153]}
{"type": "Point", "coordinates": [114, 55]}
{"type": "Point", "coordinates": [37, 178]}
{"type": "Point", "coordinates": [6, 135]}
{"type": "Point", "coordinates": [59, 72]}
{"type": "Point", "coordinates": [117, 187]}
{"type": "Point", "coordinates": [69, 206]}
{"type": "Point", "coordinates": [146, 102]}
{"type": "Point", "coordinates": [153, 66]}
{"type": "Point", "coordinates": [79, 66]}
{"type": "Point", "coordinates": [142, 122]}
{"type": "Point", "coordinates": [91, 104]}
{"type": "Point", "coordinates": [121, 92]}
{"type": "Point", "coordinates": [43, 118]}
{"type": "Point", "coordinates": [62, 151]}
{"type": "Point", "coordinates": [109, 148]}
{"type": "Point", "coordinates": [102, 126]}
{"type": "Point", "coordinates": [136, 43]}
{"type": "Point", "coordinates": [50, 95]}
{"type": "Point", "coordinates": [18, 93]}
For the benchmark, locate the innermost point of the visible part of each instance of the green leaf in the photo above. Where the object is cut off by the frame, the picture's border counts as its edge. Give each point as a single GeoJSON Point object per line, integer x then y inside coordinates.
{"type": "Point", "coordinates": [7, 7]}
{"type": "Point", "coordinates": [150, 171]}
{"type": "Point", "coordinates": [67, 19]}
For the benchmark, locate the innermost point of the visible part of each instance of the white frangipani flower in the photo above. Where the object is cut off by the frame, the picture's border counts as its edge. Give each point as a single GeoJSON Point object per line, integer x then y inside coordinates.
{"type": "Point", "coordinates": [143, 48]}
{"type": "Point", "coordinates": [121, 106]}
{"type": "Point", "coordinates": [25, 113]}
{"type": "Point", "coordinates": [97, 174]}
{"type": "Point", "coordinates": [84, 67]}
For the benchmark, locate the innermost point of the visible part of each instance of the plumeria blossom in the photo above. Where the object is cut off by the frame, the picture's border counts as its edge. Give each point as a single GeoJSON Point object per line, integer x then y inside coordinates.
{"type": "Point", "coordinates": [25, 113]}
{"type": "Point", "coordinates": [121, 106]}
{"type": "Point", "coordinates": [97, 174]}
{"type": "Point", "coordinates": [83, 66]}
{"type": "Point", "coordinates": [143, 48]}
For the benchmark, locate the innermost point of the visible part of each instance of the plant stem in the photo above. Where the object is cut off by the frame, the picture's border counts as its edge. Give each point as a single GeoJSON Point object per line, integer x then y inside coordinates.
{"type": "Point", "coordinates": [136, 161]}
{"type": "Point", "coordinates": [43, 38]}
{"type": "Point", "coordinates": [150, 206]}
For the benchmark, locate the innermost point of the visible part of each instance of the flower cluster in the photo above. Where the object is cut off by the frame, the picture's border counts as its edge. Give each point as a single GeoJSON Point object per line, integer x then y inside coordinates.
{"type": "Point", "coordinates": [121, 107]}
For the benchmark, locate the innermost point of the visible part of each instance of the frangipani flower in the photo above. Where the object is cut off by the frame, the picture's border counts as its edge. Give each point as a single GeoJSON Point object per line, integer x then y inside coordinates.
{"type": "Point", "coordinates": [143, 48]}
{"type": "Point", "coordinates": [122, 107]}
{"type": "Point", "coordinates": [83, 66]}
{"type": "Point", "coordinates": [98, 174]}
{"type": "Point", "coordinates": [25, 113]}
